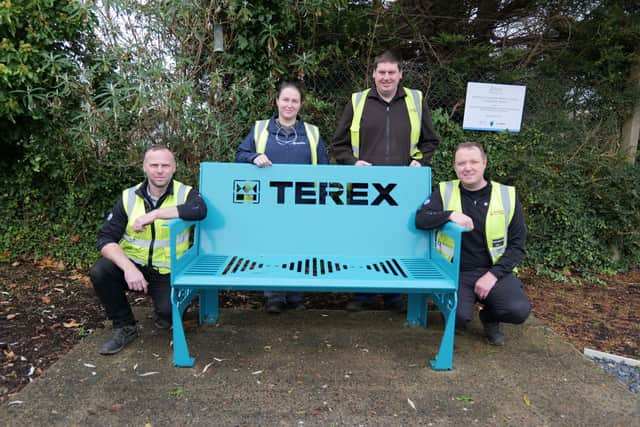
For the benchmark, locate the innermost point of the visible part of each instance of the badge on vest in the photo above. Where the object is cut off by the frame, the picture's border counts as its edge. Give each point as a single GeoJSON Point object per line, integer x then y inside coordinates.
{"type": "Point", "coordinates": [496, 243]}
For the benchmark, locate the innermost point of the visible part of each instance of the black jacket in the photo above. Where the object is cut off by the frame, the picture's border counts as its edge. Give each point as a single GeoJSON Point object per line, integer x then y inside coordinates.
{"type": "Point", "coordinates": [385, 132]}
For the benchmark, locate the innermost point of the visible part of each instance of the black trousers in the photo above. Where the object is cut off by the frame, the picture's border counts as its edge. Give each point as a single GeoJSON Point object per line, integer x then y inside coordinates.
{"type": "Point", "coordinates": [506, 302]}
{"type": "Point", "coordinates": [111, 288]}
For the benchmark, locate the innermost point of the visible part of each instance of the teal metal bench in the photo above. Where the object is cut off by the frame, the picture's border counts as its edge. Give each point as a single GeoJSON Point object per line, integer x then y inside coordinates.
{"type": "Point", "coordinates": [309, 228]}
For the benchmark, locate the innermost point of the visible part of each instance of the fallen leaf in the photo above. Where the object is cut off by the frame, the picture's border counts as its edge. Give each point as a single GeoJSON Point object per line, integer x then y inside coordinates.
{"type": "Point", "coordinates": [81, 278]}
{"type": "Point", "coordinates": [256, 372]}
{"type": "Point", "coordinates": [74, 239]}
{"type": "Point", "coordinates": [10, 355]}
{"type": "Point", "coordinates": [48, 262]}
{"type": "Point", "coordinates": [72, 323]}
{"type": "Point", "coordinates": [413, 405]}
{"type": "Point", "coordinates": [15, 402]}
{"type": "Point", "coordinates": [207, 367]}
{"type": "Point", "coordinates": [45, 299]}
{"type": "Point", "coordinates": [89, 365]}
{"type": "Point", "coordinates": [146, 374]}
{"type": "Point", "coordinates": [116, 407]}
{"type": "Point", "coordinates": [11, 316]}
{"type": "Point", "coordinates": [467, 399]}
{"type": "Point", "coordinates": [526, 400]}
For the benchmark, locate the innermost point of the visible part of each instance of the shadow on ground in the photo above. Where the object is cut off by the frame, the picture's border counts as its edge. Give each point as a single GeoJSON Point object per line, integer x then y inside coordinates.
{"type": "Point", "coordinates": [325, 368]}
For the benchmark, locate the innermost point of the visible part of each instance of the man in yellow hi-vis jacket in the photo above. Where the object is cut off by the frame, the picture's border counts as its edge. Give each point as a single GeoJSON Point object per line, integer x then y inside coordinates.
{"type": "Point", "coordinates": [386, 125]}
{"type": "Point", "coordinates": [490, 250]}
{"type": "Point", "coordinates": [134, 245]}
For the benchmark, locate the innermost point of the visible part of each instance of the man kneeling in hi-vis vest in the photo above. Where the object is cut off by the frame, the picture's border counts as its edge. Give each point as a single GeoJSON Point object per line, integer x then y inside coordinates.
{"type": "Point", "coordinates": [134, 245]}
{"type": "Point", "coordinates": [386, 125]}
{"type": "Point", "coordinates": [490, 250]}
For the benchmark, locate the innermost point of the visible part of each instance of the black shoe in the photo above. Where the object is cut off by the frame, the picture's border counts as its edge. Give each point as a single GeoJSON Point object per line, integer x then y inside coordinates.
{"type": "Point", "coordinates": [275, 307]}
{"type": "Point", "coordinates": [397, 306]}
{"type": "Point", "coordinates": [357, 305]}
{"type": "Point", "coordinates": [296, 306]}
{"type": "Point", "coordinates": [162, 323]}
{"type": "Point", "coordinates": [491, 330]}
{"type": "Point", "coordinates": [118, 339]}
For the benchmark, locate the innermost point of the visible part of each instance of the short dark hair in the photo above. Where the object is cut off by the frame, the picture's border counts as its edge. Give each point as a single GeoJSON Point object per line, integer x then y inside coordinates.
{"type": "Point", "coordinates": [157, 147]}
{"type": "Point", "coordinates": [470, 144]}
{"type": "Point", "coordinates": [292, 84]}
{"type": "Point", "coordinates": [389, 55]}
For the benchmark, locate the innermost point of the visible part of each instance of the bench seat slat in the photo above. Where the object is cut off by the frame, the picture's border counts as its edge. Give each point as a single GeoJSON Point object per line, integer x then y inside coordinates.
{"type": "Point", "coordinates": [327, 274]}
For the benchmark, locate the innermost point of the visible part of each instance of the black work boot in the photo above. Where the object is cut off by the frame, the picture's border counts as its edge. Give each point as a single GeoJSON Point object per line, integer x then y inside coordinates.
{"type": "Point", "coordinates": [491, 329]}
{"type": "Point", "coordinates": [162, 323]}
{"type": "Point", "coordinates": [275, 307]}
{"type": "Point", "coordinates": [118, 339]}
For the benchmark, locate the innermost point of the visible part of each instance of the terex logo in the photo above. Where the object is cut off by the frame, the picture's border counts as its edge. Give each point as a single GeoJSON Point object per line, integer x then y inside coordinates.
{"type": "Point", "coordinates": [317, 193]}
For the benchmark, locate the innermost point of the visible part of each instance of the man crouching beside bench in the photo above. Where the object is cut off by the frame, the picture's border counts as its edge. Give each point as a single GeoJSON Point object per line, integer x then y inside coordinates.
{"type": "Point", "coordinates": [490, 250]}
{"type": "Point", "coordinates": [134, 245]}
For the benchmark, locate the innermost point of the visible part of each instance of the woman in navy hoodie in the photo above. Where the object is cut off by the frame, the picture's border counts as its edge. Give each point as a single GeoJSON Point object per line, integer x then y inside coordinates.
{"type": "Point", "coordinates": [284, 138]}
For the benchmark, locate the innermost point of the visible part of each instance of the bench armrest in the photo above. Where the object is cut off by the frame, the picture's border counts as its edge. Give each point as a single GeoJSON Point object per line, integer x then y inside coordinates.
{"type": "Point", "coordinates": [454, 232]}
{"type": "Point", "coordinates": [176, 227]}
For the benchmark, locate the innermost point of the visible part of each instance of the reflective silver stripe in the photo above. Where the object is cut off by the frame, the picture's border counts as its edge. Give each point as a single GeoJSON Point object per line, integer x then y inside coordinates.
{"type": "Point", "coordinates": [259, 128]}
{"type": "Point", "coordinates": [141, 243]}
{"type": "Point", "coordinates": [445, 250]}
{"type": "Point", "coordinates": [506, 205]}
{"type": "Point", "coordinates": [313, 130]}
{"type": "Point", "coordinates": [498, 251]}
{"type": "Point", "coordinates": [448, 192]}
{"type": "Point", "coordinates": [182, 190]}
{"type": "Point", "coordinates": [137, 242]}
{"type": "Point", "coordinates": [415, 94]}
{"type": "Point", "coordinates": [131, 199]}
{"type": "Point", "coordinates": [358, 99]}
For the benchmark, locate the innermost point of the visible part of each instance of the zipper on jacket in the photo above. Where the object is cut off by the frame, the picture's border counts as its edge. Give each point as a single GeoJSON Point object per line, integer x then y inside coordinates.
{"type": "Point", "coordinates": [387, 133]}
{"type": "Point", "coordinates": [153, 234]}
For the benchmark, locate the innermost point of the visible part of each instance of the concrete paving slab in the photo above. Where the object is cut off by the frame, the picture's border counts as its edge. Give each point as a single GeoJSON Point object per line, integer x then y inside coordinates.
{"type": "Point", "coordinates": [325, 368]}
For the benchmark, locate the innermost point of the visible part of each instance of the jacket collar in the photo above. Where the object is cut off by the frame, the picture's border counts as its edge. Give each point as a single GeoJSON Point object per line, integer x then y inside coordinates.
{"type": "Point", "coordinates": [400, 93]}
{"type": "Point", "coordinates": [142, 190]}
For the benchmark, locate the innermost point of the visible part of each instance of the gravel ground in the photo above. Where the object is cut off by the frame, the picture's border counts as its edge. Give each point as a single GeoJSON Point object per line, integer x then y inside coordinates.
{"type": "Point", "coordinates": [626, 374]}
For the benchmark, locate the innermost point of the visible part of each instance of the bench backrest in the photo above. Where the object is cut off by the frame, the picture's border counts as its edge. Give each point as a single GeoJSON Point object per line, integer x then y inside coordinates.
{"type": "Point", "coordinates": [318, 210]}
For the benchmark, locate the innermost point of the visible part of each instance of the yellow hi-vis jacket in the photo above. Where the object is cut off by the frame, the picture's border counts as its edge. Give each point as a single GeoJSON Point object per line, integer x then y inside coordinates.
{"type": "Point", "coordinates": [501, 208]}
{"type": "Point", "coordinates": [151, 246]}
{"type": "Point", "coordinates": [261, 134]}
{"type": "Point", "coordinates": [413, 99]}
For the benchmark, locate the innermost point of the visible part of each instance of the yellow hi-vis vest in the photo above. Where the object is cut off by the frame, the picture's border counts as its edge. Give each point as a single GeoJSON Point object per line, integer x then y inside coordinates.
{"type": "Point", "coordinates": [140, 246]}
{"type": "Point", "coordinates": [413, 99]}
{"type": "Point", "coordinates": [501, 208]}
{"type": "Point", "coordinates": [261, 133]}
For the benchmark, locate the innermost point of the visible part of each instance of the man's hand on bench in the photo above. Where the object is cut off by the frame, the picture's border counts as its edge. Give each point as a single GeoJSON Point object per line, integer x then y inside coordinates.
{"type": "Point", "coordinates": [462, 220]}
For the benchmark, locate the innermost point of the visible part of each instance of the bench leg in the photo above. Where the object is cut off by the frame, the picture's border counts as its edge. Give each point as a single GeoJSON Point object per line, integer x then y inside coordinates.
{"type": "Point", "coordinates": [208, 306]}
{"type": "Point", "coordinates": [180, 299]}
{"type": "Point", "coordinates": [417, 310]}
{"type": "Point", "coordinates": [181, 356]}
{"type": "Point", "coordinates": [447, 304]}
